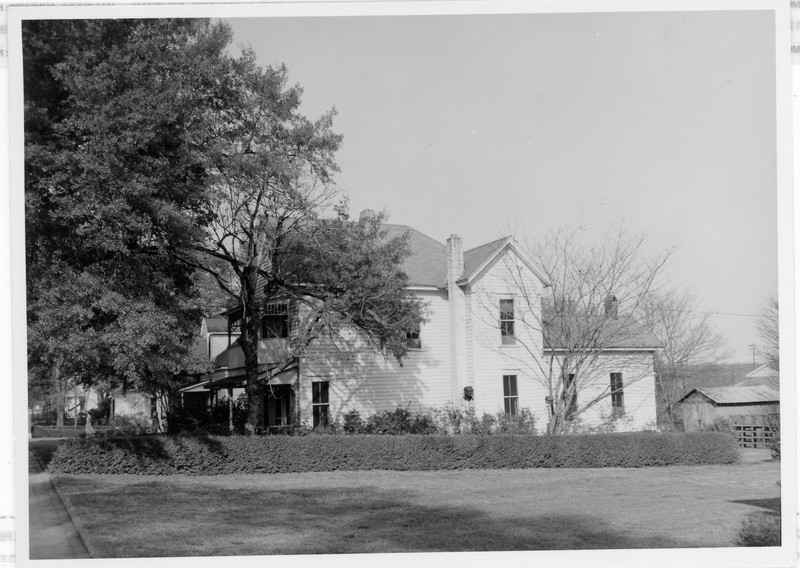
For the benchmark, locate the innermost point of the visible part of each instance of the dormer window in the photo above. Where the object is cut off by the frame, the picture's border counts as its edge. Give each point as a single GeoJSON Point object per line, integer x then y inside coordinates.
{"type": "Point", "coordinates": [275, 321]}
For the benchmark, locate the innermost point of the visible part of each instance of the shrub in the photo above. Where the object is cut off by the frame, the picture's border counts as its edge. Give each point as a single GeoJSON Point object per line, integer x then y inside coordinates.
{"type": "Point", "coordinates": [452, 419]}
{"type": "Point", "coordinates": [760, 529]}
{"type": "Point", "coordinates": [199, 455]}
{"type": "Point", "coordinates": [352, 423]}
{"type": "Point", "coordinates": [774, 443]}
{"type": "Point", "coordinates": [720, 425]}
{"type": "Point", "coordinates": [100, 415]}
{"type": "Point", "coordinates": [399, 421]}
{"type": "Point", "coordinates": [220, 413]}
{"type": "Point", "coordinates": [179, 421]}
{"type": "Point", "coordinates": [523, 423]}
{"type": "Point", "coordinates": [132, 424]}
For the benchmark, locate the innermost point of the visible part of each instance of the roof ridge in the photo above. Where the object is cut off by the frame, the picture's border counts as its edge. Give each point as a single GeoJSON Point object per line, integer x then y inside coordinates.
{"type": "Point", "coordinates": [507, 237]}
{"type": "Point", "coordinates": [410, 228]}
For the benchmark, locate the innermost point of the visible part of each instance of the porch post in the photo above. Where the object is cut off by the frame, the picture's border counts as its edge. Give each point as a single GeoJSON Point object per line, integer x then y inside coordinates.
{"type": "Point", "coordinates": [230, 409]}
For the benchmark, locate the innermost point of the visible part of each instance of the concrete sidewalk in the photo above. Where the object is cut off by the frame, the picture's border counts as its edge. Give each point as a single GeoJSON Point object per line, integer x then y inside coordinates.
{"type": "Point", "coordinates": [52, 532]}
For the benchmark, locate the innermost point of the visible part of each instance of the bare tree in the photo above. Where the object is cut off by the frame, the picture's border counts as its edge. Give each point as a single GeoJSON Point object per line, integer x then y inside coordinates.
{"type": "Point", "coordinates": [688, 338]}
{"type": "Point", "coordinates": [579, 328]}
{"type": "Point", "coordinates": [769, 332]}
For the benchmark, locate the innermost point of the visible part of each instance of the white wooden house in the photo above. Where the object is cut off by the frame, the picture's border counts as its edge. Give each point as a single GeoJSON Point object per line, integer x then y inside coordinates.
{"type": "Point", "coordinates": [474, 341]}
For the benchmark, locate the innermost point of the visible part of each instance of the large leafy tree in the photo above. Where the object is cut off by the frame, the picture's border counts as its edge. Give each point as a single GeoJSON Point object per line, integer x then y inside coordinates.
{"type": "Point", "coordinates": [151, 154]}
{"type": "Point", "coordinates": [281, 231]}
{"type": "Point", "coordinates": [115, 176]}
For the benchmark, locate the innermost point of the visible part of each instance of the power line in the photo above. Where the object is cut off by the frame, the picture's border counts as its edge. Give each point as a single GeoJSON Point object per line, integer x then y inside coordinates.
{"type": "Point", "coordinates": [724, 314]}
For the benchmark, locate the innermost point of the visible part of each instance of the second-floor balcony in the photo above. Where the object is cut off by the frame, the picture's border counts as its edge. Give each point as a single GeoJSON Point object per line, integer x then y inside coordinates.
{"type": "Point", "coordinates": [228, 366]}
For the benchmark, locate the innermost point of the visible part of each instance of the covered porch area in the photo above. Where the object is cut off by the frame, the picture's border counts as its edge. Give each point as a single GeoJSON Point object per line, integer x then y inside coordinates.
{"type": "Point", "coordinates": [278, 378]}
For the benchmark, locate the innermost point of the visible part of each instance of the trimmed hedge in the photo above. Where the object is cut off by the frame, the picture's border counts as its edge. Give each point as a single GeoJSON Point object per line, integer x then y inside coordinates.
{"type": "Point", "coordinates": [38, 431]}
{"type": "Point", "coordinates": [163, 455]}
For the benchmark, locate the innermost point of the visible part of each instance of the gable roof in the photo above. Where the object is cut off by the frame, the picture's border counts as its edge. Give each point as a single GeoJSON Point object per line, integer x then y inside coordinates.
{"type": "Point", "coordinates": [477, 257]}
{"type": "Point", "coordinates": [427, 263]}
{"type": "Point", "coordinates": [737, 394]}
{"type": "Point", "coordinates": [216, 325]}
{"type": "Point", "coordinates": [763, 371]}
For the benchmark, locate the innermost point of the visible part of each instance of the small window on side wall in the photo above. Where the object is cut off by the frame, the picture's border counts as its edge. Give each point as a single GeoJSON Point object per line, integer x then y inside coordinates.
{"type": "Point", "coordinates": [510, 396]}
{"type": "Point", "coordinates": [617, 395]}
{"type": "Point", "coordinates": [319, 403]}
{"type": "Point", "coordinates": [412, 340]}
{"type": "Point", "coordinates": [507, 322]}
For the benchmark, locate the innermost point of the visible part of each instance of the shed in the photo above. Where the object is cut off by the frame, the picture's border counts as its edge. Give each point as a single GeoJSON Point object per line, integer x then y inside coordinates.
{"type": "Point", "coordinates": [752, 404]}
{"type": "Point", "coordinates": [763, 376]}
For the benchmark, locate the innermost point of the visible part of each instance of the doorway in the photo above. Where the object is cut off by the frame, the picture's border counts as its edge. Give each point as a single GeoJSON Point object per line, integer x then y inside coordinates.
{"type": "Point", "coordinates": [279, 405]}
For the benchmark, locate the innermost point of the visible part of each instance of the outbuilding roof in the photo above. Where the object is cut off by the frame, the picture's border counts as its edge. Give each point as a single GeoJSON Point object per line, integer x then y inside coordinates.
{"type": "Point", "coordinates": [602, 331]}
{"type": "Point", "coordinates": [737, 394]}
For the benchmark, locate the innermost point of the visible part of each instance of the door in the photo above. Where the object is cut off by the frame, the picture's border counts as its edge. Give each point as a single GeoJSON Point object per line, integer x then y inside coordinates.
{"type": "Point", "coordinates": [279, 405]}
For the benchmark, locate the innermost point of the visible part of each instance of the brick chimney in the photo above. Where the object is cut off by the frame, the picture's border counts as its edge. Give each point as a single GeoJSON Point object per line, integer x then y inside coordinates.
{"type": "Point", "coordinates": [455, 259]}
{"type": "Point", "coordinates": [458, 317]}
{"type": "Point", "coordinates": [612, 307]}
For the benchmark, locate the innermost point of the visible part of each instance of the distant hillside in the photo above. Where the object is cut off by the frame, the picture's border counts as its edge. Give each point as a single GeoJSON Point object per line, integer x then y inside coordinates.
{"type": "Point", "coordinates": [716, 375]}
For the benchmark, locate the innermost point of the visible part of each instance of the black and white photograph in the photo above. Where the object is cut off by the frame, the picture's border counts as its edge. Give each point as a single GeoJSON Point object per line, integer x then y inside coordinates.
{"type": "Point", "coordinates": [325, 281]}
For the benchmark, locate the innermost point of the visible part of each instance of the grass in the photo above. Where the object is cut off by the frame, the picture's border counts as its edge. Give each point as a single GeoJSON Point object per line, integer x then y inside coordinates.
{"type": "Point", "coordinates": [381, 511]}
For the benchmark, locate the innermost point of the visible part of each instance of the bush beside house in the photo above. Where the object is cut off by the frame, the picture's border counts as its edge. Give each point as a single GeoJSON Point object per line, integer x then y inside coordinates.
{"type": "Point", "coordinates": [157, 455]}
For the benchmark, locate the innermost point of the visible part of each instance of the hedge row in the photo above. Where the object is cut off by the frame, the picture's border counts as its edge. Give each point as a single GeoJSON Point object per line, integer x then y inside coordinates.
{"type": "Point", "coordinates": [160, 455]}
{"type": "Point", "coordinates": [64, 431]}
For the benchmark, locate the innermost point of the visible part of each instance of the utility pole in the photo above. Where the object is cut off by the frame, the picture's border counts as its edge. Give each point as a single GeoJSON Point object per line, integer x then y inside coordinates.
{"type": "Point", "coordinates": [753, 345]}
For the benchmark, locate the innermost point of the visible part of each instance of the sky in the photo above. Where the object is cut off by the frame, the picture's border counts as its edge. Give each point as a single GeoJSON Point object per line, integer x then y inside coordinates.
{"type": "Point", "coordinates": [487, 125]}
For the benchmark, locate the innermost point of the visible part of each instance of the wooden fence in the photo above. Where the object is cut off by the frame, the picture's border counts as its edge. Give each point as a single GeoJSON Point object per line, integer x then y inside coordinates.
{"type": "Point", "coordinates": [756, 431]}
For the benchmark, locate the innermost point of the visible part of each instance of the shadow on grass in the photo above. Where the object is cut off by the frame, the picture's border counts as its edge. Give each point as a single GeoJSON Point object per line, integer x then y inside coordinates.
{"type": "Point", "coordinates": [242, 521]}
{"type": "Point", "coordinates": [773, 505]}
{"type": "Point", "coordinates": [44, 449]}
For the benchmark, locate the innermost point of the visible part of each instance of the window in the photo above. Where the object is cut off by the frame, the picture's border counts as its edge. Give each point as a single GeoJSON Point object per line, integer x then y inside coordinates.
{"type": "Point", "coordinates": [319, 403]}
{"type": "Point", "coordinates": [510, 397]}
{"type": "Point", "coordinates": [413, 340]}
{"type": "Point", "coordinates": [617, 396]}
{"type": "Point", "coordinates": [573, 403]}
{"type": "Point", "coordinates": [507, 322]}
{"type": "Point", "coordinates": [275, 321]}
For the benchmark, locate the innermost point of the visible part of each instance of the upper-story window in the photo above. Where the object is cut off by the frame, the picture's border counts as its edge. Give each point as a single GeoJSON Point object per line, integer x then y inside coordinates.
{"type": "Point", "coordinates": [275, 321]}
{"type": "Point", "coordinates": [412, 339]}
{"type": "Point", "coordinates": [507, 322]}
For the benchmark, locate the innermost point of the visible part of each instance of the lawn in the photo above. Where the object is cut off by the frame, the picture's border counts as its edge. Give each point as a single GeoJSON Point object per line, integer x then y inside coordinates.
{"type": "Point", "coordinates": [381, 511]}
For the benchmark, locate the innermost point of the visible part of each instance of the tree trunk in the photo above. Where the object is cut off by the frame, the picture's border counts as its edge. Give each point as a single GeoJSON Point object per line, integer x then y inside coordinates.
{"type": "Point", "coordinates": [60, 395]}
{"type": "Point", "coordinates": [250, 324]}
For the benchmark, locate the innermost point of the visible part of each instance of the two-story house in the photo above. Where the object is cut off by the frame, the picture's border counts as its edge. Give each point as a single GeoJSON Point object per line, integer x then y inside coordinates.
{"type": "Point", "coordinates": [477, 347]}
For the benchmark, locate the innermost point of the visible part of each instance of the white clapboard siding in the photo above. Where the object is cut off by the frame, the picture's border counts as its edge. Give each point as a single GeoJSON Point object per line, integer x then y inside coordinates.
{"type": "Point", "coordinates": [490, 359]}
{"type": "Point", "coordinates": [638, 385]}
{"type": "Point", "coordinates": [364, 380]}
